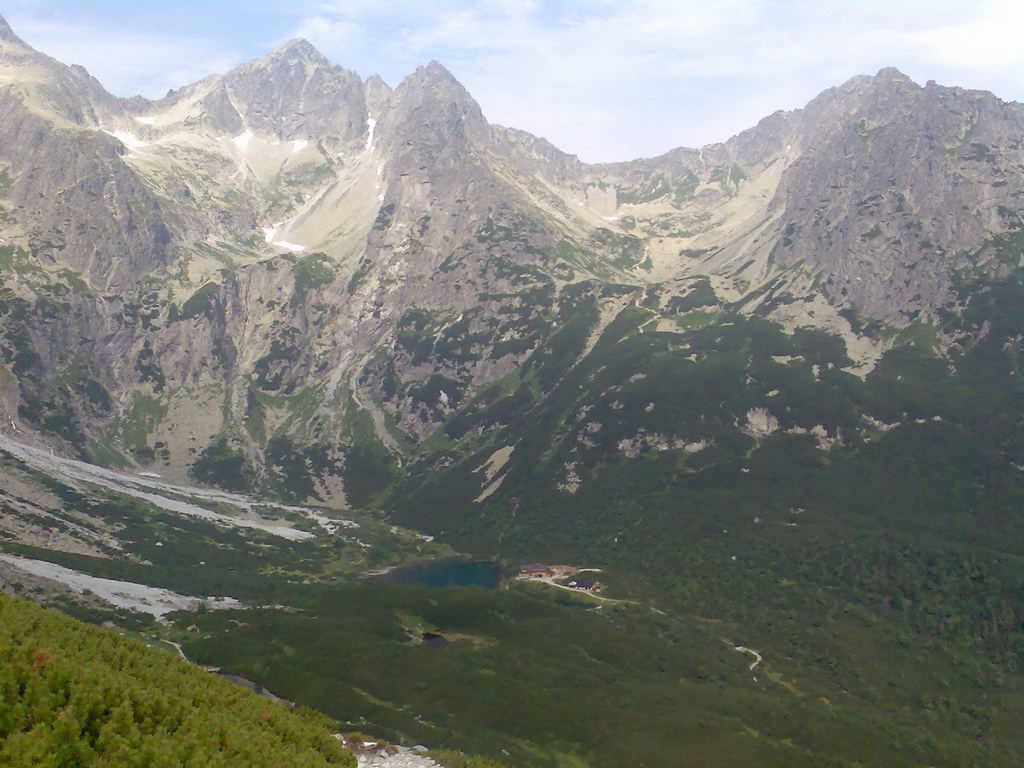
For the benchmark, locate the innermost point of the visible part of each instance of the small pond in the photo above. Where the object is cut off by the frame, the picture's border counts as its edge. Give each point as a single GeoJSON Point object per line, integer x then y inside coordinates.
{"type": "Point", "coordinates": [453, 572]}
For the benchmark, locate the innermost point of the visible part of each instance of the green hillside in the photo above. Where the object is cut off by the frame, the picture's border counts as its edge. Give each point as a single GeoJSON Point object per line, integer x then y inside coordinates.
{"type": "Point", "coordinates": [72, 695]}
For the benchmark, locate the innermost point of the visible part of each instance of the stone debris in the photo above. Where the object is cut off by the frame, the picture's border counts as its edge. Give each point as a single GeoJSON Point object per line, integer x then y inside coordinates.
{"type": "Point", "coordinates": [370, 754]}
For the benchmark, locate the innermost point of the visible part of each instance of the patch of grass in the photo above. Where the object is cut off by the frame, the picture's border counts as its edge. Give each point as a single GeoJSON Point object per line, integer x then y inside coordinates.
{"type": "Point", "coordinates": [198, 304]}
{"type": "Point", "coordinates": [145, 414]}
{"type": "Point", "coordinates": [384, 217]}
{"type": "Point", "coordinates": [696, 319]}
{"type": "Point", "coordinates": [311, 272]}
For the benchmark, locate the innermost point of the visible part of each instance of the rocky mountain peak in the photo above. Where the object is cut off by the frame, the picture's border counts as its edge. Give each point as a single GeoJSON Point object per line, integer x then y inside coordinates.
{"type": "Point", "coordinates": [377, 82]}
{"type": "Point", "coordinates": [294, 51]}
{"type": "Point", "coordinates": [438, 109]}
{"type": "Point", "coordinates": [866, 210]}
{"type": "Point", "coordinates": [889, 76]}
{"type": "Point", "coordinates": [62, 93]}
{"type": "Point", "coordinates": [378, 94]}
{"type": "Point", "coordinates": [435, 70]}
{"type": "Point", "coordinates": [433, 82]}
{"type": "Point", "coordinates": [884, 90]}
{"type": "Point", "coordinates": [7, 34]}
{"type": "Point", "coordinates": [295, 92]}
{"type": "Point", "coordinates": [886, 79]}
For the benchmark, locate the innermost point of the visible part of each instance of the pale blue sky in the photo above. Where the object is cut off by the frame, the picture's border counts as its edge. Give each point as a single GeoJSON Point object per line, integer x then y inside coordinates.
{"type": "Point", "coordinates": [602, 79]}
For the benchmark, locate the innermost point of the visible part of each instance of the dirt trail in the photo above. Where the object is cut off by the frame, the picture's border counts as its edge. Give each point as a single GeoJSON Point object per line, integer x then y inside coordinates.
{"type": "Point", "coordinates": [743, 649]}
{"type": "Point", "coordinates": [549, 580]}
{"type": "Point", "coordinates": [177, 647]}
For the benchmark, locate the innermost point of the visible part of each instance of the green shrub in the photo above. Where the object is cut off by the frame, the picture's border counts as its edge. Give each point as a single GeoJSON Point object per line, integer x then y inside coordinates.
{"type": "Point", "coordinates": [75, 695]}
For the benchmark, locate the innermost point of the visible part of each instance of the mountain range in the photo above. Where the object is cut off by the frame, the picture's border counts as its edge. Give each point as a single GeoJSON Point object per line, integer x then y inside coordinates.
{"type": "Point", "coordinates": [790, 358]}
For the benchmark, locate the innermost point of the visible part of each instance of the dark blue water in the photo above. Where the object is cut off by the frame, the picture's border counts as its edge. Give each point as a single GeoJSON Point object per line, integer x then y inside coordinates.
{"type": "Point", "coordinates": [446, 573]}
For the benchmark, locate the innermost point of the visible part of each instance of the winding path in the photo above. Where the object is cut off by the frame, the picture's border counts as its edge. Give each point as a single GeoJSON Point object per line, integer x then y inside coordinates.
{"type": "Point", "coordinates": [549, 580]}
{"type": "Point", "coordinates": [743, 649]}
{"type": "Point", "coordinates": [178, 648]}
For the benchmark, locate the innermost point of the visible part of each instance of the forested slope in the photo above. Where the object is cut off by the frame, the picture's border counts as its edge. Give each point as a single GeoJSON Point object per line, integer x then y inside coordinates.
{"type": "Point", "coordinates": [75, 695]}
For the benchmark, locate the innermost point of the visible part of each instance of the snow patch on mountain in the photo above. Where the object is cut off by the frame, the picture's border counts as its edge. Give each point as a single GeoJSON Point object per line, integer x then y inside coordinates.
{"type": "Point", "coordinates": [129, 140]}
{"type": "Point", "coordinates": [371, 124]}
{"type": "Point", "coordinates": [270, 238]}
{"type": "Point", "coordinates": [242, 140]}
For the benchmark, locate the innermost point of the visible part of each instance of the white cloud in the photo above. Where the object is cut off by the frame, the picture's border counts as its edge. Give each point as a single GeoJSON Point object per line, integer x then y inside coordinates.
{"type": "Point", "coordinates": [330, 33]}
{"type": "Point", "coordinates": [986, 42]}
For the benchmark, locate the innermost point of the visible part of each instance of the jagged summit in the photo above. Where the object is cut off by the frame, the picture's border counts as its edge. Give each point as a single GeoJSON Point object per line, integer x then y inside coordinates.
{"type": "Point", "coordinates": [435, 69]}
{"type": "Point", "coordinates": [443, 112]}
{"type": "Point", "coordinates": [296, 47]}
{"type": "Point", "coordinates": [7, 34]}
{"type": "Point", "coordinates": [434, 77]}
{"type": "Point", "coordinates": [295, 54]}
{"type": "Point", "coordinates": [295, 92]}
{"type": "Point", "coordinates": [892, 75]}
{"type": "Point", "coordinates": [434, 83]}
{"type": "Point", "coordinates": [861, 90]}
{"type": "Point", "coordinates": [378, 94]}
{"type": "Point", "coordinates": [49, 87]}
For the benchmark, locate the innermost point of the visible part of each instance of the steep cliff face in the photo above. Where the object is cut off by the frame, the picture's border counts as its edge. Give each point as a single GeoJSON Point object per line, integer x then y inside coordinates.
{"type": "Point", "coordinates": [287, 252]}
{"type": "Point", "coordinates": [897, 189]}
{"type": "Point", "coordinates": [68, 198]}
{"type": "Point", "coordinates": [66, 95]}
{"type": "Point", "coordinates": [72, 202]}
{"type": "Point", "coordinates": [308, 98]}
